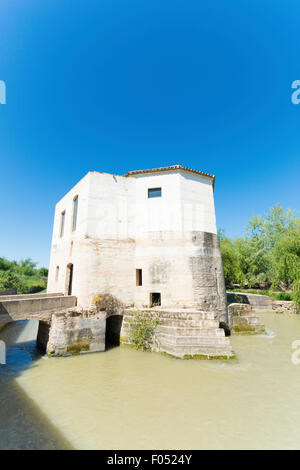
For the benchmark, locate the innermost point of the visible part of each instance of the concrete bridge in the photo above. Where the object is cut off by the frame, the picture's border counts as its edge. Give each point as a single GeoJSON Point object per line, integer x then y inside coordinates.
{"type": "Point", "coordinates": [33, 306]}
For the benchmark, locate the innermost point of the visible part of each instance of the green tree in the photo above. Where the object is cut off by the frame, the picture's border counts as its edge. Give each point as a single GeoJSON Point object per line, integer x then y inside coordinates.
{"type": "Point", "coordinates": [24, 276]}
{"type": "Point", "coordinates": [286, 256]}
{"type": "Point", "coordinates": [269, 252]}
{"type": "Point", "coordinates": [10, 280]}
{"type": "Point", "coordinates": [231, 262]}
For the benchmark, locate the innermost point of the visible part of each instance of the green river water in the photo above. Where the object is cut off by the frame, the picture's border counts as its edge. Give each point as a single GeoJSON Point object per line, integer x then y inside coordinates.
{"type": "Point", "coordinates": [125, 399]}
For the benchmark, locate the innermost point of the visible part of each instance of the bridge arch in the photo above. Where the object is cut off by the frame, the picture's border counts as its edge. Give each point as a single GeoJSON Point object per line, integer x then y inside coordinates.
{"type": "Point", "coordinates": [113, 330]}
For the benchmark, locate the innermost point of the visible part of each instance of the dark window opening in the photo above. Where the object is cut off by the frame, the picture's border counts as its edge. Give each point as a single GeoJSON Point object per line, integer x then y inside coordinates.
{"type": "Point", "coordinates": [113, 331]}
{"type": "Point", "coordinates": [62, 223]}
{"type": "Point", "coordinates": [75, 210]}
{"type": "Point", "coordinates": [155, 299]}
{"type": "Point", "coordinates": [69, 279]}
{"type": "Point", "coordinates": [139, 277]}
{"type": "Point", "coordinates": [154, 192]}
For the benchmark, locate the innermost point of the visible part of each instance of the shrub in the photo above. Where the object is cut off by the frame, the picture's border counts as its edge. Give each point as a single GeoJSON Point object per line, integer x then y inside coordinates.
{"type": "Point", "coordinates": [10, 280]}
{"type": "Point", "coordinates": [34, 288]}
{"type": "Point", "coordinates": [22, 276]}
{"type": "Point", "coordinates": [283, 296]}
{"type": "Point", "coordinates": [108, 303]}
{"type": "Point", "coordinates": [296, 294]}
{"type": "Point", "coordinates": [142, 329]}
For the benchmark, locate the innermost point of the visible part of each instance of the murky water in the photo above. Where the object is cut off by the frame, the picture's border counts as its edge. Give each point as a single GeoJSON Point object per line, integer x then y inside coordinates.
{"type": "Point", "coordinates": [124, 399]}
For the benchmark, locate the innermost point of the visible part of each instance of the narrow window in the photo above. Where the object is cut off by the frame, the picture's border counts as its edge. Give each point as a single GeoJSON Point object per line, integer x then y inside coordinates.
{"type": "Point", "coordinates": [154, 192]}
{"type": "Point", "coordinates": [62, 223]}
{"type": "Point", "coordinates": [155, 299]}
{"type": "Point", "coordinates": [139, 277]}
{"type": "Point", "coordinates": [56, 273]}
{"type": "Point", "coordinates": [75, 209]}
{"type": "Point", "coordinates": [69, 279]}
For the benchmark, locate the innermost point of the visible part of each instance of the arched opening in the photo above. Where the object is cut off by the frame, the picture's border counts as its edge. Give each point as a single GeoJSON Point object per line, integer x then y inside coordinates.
{"type": "Point", "coordinates": [113, 331]}
{"type": "Point", "coordinates": [69, 279]}
{"type": "Point", "coordinates": [225, 327]}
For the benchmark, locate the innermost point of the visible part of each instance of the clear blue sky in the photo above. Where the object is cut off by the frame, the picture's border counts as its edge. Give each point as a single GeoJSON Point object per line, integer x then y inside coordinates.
{"type": "Point", "coordinates": [114, 85]}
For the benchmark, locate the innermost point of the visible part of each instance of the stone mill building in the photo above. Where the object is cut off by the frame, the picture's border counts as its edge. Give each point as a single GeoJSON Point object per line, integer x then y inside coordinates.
{"type": "Point", "coordinates": [149, 238]}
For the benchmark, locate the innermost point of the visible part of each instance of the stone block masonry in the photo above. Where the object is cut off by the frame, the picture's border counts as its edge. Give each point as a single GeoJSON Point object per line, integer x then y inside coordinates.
{"type": "Point", "coordinates": [245, 321]}
{"type": "Point", "coordinates": [181, 333]}
{"type": "Point", "coordinates": [33, 307]}
{"type": "Point", "coordinates": [72, 332]}
{"type": "Point", "coordinates": [284, 306]}
{"type": "Point", "coordinates": [256, 301]}
{"type": "Point", "coordinates": [148, 238]}
{"type": "Point", "coordinates": [184, 334]}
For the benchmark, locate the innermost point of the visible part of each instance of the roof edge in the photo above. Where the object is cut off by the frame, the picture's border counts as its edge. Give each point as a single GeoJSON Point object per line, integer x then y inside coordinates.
{"type": "Point", "coordinates": [170, 168]}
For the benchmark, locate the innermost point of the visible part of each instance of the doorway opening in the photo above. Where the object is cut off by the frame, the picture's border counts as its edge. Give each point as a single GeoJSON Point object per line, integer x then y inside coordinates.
{"type": "Point", "coordinates": [155, 299]}
{"type": "Point", "coordinates": [69, 279]}
{"type": "Point", "coordinates": [113, 331]}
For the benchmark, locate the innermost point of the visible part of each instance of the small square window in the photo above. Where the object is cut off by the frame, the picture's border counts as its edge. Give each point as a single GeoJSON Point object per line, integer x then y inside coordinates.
{"type": "Point", "coordinates": [154, 192]}
{"type": "Point", "coordinates": [155, 299]}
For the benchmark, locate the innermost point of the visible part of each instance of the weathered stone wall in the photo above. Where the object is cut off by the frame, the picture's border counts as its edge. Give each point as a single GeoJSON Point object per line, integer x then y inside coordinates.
{"type": "Point", "coordinates": [184, 334]}
{"type": "Point", "coordinates": [101, 249]}
{"type": "Point", "coordinates": [30, 296]}
{"type": "Point", "coordinates": [33, 308]}
{"type": "Point", "coordinates": [172, 239]}
{"type": "Point", "coordinates": [258, 302]}
{"type": "Point", "coordinates": [75, 331]}
{"type": "Point", "coordinates": [245, 321]}
{"type": "Point", "coordinates": [208, 276]}
{"type": "Point", "coordinates": [186, 272]}
{"type": "Point", "coordinates": [284, 306]}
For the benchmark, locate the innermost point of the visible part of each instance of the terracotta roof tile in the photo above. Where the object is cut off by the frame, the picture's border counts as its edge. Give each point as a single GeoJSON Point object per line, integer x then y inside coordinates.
{"type": "Point", "coordinates": [171, 168]}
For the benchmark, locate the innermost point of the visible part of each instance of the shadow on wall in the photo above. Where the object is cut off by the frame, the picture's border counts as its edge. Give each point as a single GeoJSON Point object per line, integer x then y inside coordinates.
{"type": "Point", "coordinates": [113, 331]}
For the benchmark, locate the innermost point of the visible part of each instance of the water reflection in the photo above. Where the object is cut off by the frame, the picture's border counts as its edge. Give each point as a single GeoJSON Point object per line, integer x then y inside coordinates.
{"type": "Point", "coordinates": [22, 424]}
{"type": "Point", "coordinates": [124, 399]}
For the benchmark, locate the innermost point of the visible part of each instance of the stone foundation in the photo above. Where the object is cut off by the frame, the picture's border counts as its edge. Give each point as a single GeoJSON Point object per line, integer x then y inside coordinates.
{"type": "Point", "coordinates": [244, 320]}
{"type": "Point", "coordinates": [75, 331]}
{"type": "Point", "coordinates": [284, 306]}
{"type": "Point", "coordinates": [256, 301]}
{"type": "Point", "coordinates": [181, 333]}
{"type": "Point", "coordinates": [184, 334]}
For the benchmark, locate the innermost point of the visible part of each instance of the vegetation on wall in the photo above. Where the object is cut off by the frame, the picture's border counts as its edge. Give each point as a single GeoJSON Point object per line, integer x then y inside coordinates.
{"type": "Point", "coordinates": [268, 256]}
{"type": "Point", "coordinates": [142, 328]}
{"type": "Point", "coordinates": [23, 276]}
{"type": "Point", "coordinates": [108, 303]}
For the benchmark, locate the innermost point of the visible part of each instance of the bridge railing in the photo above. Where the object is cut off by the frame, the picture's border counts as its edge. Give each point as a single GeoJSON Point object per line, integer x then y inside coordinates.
{"type": "Point", "coordinates": [34, 308]}
{"type": "Point", "coordinates": [30, 296]}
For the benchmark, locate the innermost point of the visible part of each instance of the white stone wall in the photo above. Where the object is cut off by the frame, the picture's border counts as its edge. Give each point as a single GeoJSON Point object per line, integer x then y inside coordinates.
{"type": "Point", "coordinates": [164, 236]}
{"type": "Point", "coordinates": [120, 229]}
{"type": "Point", "coordinates": [197, 200]}
{"type": "Point", "coordinates": [66, 249]}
